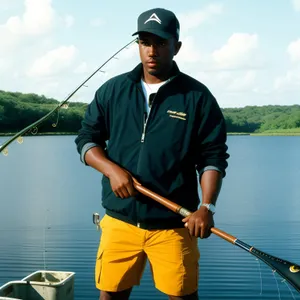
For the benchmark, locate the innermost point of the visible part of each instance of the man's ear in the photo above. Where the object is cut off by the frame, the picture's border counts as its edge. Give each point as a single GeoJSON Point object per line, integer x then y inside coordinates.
{"type": "Point", "coordinates": [177, 47]}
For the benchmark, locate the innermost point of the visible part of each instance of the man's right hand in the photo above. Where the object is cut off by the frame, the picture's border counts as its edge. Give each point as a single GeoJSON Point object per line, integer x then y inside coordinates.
{"type": "Point", "coordinates": [121, 182]}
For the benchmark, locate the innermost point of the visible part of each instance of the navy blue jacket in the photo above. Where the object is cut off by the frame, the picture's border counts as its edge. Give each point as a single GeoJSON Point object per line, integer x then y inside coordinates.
{"type": "Point", "coordinates": [184, 132]}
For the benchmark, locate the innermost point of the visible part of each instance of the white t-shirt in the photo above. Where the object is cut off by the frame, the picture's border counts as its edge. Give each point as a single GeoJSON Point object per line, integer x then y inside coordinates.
{"type": "Point", "coordinates": [150, 88]}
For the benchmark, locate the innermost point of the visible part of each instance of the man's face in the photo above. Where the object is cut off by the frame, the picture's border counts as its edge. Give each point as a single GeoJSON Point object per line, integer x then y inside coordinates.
{"type": "Point", "coordinates": [157, 53]}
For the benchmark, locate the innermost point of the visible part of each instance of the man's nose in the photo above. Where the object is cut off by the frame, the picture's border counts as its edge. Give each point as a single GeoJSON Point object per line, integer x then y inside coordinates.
{"type": "Point", "coordinates": [153, 50]}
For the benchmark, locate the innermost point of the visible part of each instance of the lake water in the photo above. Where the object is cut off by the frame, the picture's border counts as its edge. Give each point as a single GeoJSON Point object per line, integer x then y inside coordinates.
{"type": "Point", "coordinates": [48, 197]}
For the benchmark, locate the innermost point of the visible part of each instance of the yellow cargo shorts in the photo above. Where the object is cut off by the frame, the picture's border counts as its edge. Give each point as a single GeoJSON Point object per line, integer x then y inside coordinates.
{"type": "Point", "coordinates": [173, 256]}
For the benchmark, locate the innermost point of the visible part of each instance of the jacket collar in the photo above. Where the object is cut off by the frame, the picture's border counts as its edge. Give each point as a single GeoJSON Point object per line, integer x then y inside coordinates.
{"type": "Point", "coordinates": [137, 72]}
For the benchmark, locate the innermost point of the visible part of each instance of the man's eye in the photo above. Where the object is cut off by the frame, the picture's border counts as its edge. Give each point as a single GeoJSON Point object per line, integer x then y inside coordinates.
{"type": "Point", "coordinates": [144, 43]}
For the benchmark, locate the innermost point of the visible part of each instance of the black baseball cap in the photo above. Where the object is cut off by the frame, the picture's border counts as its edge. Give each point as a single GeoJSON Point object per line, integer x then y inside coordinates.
{"type": "Point", "coordinates": [160, 22]}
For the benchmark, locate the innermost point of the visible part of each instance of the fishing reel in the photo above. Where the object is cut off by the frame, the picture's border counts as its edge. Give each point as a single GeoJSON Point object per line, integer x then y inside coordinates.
{"type": "Point", "coordinates": [96, 220]}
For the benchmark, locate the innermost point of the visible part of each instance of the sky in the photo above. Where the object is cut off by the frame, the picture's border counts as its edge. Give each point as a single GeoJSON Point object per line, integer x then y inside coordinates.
{"type": "Point", "coordinates": [245, 52]}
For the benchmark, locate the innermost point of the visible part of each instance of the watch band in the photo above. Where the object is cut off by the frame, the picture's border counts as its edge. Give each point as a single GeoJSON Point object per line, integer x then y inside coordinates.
{"type": "Point", "coordinates": [210, 207]}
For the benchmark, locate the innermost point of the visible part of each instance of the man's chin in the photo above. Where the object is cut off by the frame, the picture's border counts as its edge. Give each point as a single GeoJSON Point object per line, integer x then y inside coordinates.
{"type": "Point", "coordinates": [154, 72]}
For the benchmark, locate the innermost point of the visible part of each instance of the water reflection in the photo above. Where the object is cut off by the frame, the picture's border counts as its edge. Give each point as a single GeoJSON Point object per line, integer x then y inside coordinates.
{"type": "Point", "coordinates": [46, 189]}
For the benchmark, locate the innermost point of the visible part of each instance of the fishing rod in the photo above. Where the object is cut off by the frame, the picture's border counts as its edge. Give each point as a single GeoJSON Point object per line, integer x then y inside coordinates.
{"type": "Point", "coordinates": [288, 270]}
{"type": "Point", "coordinates": [3, 147]}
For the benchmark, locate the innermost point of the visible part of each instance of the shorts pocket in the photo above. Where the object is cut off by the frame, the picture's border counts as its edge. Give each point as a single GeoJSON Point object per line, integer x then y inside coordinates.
{"type": "Point", "coordinates": [98, 266]}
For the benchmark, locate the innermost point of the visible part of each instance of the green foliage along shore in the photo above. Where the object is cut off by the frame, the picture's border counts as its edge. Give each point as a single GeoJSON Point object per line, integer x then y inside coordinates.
{"type": "Point", "coordinates": [18, 110]}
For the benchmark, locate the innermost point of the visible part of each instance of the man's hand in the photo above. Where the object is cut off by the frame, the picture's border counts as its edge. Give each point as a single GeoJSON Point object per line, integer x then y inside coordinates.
{"type": "Point", "coordinates": [121, 182]}
{"type": "Point", "coordinates": [200, 222]}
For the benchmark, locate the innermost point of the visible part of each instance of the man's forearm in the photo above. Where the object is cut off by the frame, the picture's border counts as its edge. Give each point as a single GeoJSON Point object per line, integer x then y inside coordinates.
{"type": "Point", "coordinates": [120, 180]}
{"type": "Point", "coordinates": [97, 159]}
{"type": "Point", "coordinates": [211, 183]}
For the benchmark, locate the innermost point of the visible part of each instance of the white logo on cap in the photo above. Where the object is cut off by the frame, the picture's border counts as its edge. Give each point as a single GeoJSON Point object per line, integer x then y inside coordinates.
{"type": "Point", "coordinates": [155, 18]}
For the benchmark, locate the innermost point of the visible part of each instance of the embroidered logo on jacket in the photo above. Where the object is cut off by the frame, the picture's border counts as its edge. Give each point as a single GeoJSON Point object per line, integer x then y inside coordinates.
{"type": "Point", "coordinates": [153, 17]}
{"type": "Point", "coordinates": [177, 115]}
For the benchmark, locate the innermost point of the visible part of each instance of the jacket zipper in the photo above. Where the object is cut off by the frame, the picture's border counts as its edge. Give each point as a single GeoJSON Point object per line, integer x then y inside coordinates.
{"type": "Point", "coordinates": [146, 118]}
{"type": "Point", "coordinates": [144, 128]}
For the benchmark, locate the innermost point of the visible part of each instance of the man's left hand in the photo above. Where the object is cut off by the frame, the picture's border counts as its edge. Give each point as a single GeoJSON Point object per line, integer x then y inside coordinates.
{"type": "Point", "coordinates": [200, 222]}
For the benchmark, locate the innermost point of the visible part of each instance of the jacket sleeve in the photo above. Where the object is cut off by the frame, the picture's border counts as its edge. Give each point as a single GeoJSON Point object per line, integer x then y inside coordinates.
{"type": "Point", "coordinates": [94, 129]}
{"type": "Point", "coordinates": [211, 148]}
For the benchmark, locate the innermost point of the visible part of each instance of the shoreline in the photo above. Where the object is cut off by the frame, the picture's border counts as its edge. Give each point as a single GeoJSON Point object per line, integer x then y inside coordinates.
{"type": "Point", "coordinates": [265, 134]}
{"type": "Point", "coordinates": [229, 134]}
{"type": "Point", "coordinates": [39, 134]}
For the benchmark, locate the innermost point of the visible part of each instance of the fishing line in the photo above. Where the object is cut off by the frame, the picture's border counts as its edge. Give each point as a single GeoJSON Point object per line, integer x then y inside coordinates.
{"type": "Point", "coordinates": [44, 252]}
{"type": "Point", "coordinates": [261, 282]}
{"type": "Point", "coordinates": [279, 296]}
{"type": "Point", "coordinates": [284, 281]}
{"type": "Point", "coordinates": [46, 227]}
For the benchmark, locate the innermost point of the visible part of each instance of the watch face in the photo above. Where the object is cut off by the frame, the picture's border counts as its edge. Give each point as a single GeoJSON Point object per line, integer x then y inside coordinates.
{"type": "Point", "coordinates": [212, 208]}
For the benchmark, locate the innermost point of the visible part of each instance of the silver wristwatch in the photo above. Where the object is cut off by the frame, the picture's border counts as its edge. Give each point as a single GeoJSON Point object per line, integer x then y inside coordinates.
{"type": "Point", "coordinates": [210, 207]}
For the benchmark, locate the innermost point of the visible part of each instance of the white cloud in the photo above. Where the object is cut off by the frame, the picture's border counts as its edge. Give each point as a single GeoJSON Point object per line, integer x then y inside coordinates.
{"type": "Point", "coordinates": [230, 81]}
{"type": "Point", "coordinates": [194, 19]}
{"type": "Point", "coordinates": [38, 18]}
{"type": "Point", "coordinates": [294, 51]}
{"type": "Point", "coordinates": [14, 25]}
{"type": "Point", "coordinates": [243, 83]}
{"type": "Point", "coordinates": [3, 66]}
{"type": "Point", "coordinates": [8, 41]}
{"type": "Point", "coordinates": [53, 62]}
{"type": "Point", "coordinates": [82, 68]}
{"type": "Point", "coordinates": [238, 52]}
{"type": "Point", "coordinates": [296, 5]}
{"type": "Point", "coordinates": [228, 70]}
{"type": "Point", "coordinates": [233, 88]}
{"type": "Point", "coordinates": [189, 52]}
{"type": "Point", "coordinates": [290, 81]}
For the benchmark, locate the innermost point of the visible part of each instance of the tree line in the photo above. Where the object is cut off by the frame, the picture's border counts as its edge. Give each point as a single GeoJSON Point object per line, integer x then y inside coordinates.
{"type": "Point", "coordinates": [18, 110]}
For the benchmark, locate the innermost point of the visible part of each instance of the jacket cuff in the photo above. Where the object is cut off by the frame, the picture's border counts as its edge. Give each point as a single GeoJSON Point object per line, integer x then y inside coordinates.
{"type": "Point", "coordinates": [209, 168]}
{"type": "Point", "coordinates": [84, 149]}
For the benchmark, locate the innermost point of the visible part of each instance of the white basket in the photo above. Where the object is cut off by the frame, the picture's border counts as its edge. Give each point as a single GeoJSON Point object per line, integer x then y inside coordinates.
{"type": "Point", "coordinates": [40, 285]}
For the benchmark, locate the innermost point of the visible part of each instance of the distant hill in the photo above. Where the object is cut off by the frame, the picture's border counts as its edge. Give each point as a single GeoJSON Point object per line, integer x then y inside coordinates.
{"type": "Point", "coordinates": [257, 119]}
{"type": "Point", "coordinates": [18, 110]}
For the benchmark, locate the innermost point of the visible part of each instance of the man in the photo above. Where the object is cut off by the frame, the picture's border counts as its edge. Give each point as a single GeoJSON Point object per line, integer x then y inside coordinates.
{"type": "Point", "coordinates": [161, 126]}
